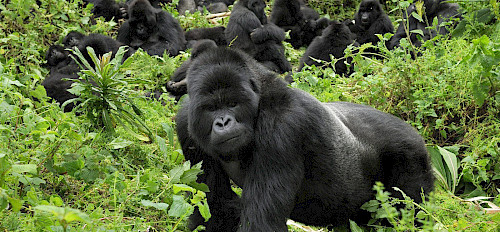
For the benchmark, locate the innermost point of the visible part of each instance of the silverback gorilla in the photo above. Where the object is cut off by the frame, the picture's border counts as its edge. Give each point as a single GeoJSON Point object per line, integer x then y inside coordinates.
{"type": "Point", "coordinates": [293, 156]}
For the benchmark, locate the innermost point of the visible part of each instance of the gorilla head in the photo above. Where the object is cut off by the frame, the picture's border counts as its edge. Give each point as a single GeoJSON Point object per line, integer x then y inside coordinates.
{"type": "Point", "coordinates": [257, 7]}
{"type": "Point", "coordinates": [369, 11]}
{"type": "Point", "coordinates": [73, 39]}
{"type": "Point", "coordinates": [143, 18]}
{"type": "Point", "coordinates": [55, 55]}
{"type": "Point", "coordinates": [223, 121]}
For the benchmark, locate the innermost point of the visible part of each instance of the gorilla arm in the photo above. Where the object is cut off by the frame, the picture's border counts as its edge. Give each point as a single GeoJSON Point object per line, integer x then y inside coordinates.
{"type": "Point", "coordinates": [267, 32]}
{"type": "Point", "coordinates": [277, 168]}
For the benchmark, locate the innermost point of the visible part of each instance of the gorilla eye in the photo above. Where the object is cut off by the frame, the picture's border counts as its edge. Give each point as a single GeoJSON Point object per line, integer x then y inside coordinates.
{"type": "Point", "coordinates": [210, 108]}
{"type": "Point", "coordinates": [232, 104]}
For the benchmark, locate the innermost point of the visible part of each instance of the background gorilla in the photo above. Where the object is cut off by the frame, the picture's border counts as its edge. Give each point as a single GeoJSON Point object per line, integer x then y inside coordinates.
{"type": "Point", "coordinates": [213, 33]}
{"type": "Point", "coordinates": [293, 156]}
{"type": "Point", "coordinates": [101, 44]}
{"type": "Point", "coordinates": [433, 8]}
{"type": "Point", "coordinates": [249, 31]}
{"type": "Point", "coordinates": [334, 40]}
{"type": "Point", "coordinates": [56, 57]}
{"type": "Point", "coordinates": [109, 9]}
{"type": "Point", "coordinates": [154, 30]}
{"type": "Point", "coordinates": [303, 22]}
{"type": "Point", "coordinates": [73, 39]}
{"type": "Point", "coordinates": [370, 20]}
{"type": "Point", "coordinates": [177, 86]}
{"type": "Point", "coordinates": [63, 67]}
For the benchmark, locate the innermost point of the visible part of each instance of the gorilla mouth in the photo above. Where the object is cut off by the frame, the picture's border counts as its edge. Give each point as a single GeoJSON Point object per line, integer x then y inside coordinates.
{"type": "Point", "coordinates": [229, 140]}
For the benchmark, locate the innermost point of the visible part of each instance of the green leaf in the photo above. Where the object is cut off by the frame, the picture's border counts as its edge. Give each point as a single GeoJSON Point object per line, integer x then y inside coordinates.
{"type": "Point", "coordinates": [158, 206]}
{"type": "Point", "coordinates": [22, 168]}
{"type": "Point", "coordinates": [190, 176]}
{"type": "Point", "coordinates": [182, 187]}
{"type": "Point", "coordinates": [39, 92]}
{"type": "Point", "coordinates": [451, 162]}
{"type": "Point", "coordinates": [180, 207]}
{"type": "Point", "coordinates": [417, 16]}
{"type": "Point", "coordinates": [480, 92]}
{"type": "Point", "coordinates": [438, 166]}
{"type": "Point", "coordinates": [119, 143]}
{"type": "Point", "coordinates": [204, 210]}
{"type": "Point", "coordinates": [354, 227]}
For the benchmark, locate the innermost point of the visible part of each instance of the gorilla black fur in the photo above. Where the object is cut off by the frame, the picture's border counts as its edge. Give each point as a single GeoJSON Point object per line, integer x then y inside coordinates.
{"type": "Point", "coordinates": [370, 20]}
{"type": "Point", "coordinates": [293, 156]}
{"type": "Point", "coordinates": [63, 67]}
{"type": "Point", "coordinates": [213, 33]}
{"type": "Point", "coordinates": [433, 8]}
{"type": "Point", "coordinates": [109, 9]}
{"type": "Point", "coordinates": [152, 29]}
{"type": "Point", "coordinates": [303, 22]}
{"type": "Point", "coordinates": [249, 31]}
{"type": "Point", "coordinates": [334, 40]}
{"type": "Point", "coordinates": [73, 39]}
{"type": "Point", "coordinates": [177, 86]}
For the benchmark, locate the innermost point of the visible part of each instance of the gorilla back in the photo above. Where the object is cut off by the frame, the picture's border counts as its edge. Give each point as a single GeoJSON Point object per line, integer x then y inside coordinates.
{"type": "Point", "coordinates": [293, 156]}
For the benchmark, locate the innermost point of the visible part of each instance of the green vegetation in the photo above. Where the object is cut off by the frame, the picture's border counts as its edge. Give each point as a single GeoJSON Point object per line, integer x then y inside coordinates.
{"type": "Point", "coordinates": [118, 166]}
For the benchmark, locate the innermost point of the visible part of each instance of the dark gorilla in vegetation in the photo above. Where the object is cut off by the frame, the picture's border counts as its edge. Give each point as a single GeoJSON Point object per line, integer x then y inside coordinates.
{"type": "Point", "coordinates": [73, 39]}
{"type": "Point", "coordinates": [249, 31]}
{"type": "Point", "coordinates": [334, 40]}
{"type": "Point", "coordinates": [151, 29]}
{"type": "Point", "coordinates": [177, 86]}
{"type": "Point", "coordinates": [109, 9]}
{"type": "Point", "coordinates": [213, 6]}
{"type": "Point", "coordinates": [444, 12]}
{"type": "Point", "coordinates": [101, 44]}
{"type": "Point", "coordinates": [293, 156]}
{"type": "Point", "coordinates": [213, 33]}
{"type": "Point", "coordinates": [62, 66]}
{"type": "Point", "coordinates": [303, 22]}
{"type": "Point", "coordinates": [56, 57]}
{"type": "Point", "coordinates": [370, 20]}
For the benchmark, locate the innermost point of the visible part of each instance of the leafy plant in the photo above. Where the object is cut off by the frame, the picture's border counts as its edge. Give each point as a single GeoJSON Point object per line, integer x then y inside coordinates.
{"type": "Point", "coordinates": [445, 166]}
{"type": "Point", "coordinates": [104, 95]}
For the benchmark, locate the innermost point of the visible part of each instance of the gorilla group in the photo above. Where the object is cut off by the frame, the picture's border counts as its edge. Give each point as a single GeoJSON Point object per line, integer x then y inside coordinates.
{"type": "Point", "coordinates": [154, 30]}
{"type": "Point", "coordinates": [334, 40]}
{"type": "Point", "coordinates": [293, 156]}
{"type": "Point", "coordinates": [249, 31]}
{"type": "Point", "coordinates": [303, 22]}
{"type": "Point", "coordinates": [63, 69]}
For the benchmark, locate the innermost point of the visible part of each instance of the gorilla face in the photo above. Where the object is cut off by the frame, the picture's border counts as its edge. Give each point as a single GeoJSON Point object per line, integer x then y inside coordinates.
{"type": "Point", "coordinates": [369, 11]}
{"type": "Point", "coordinates": [55, 55]}
{"type": "Point", "coordinates": [257, 7]}
{"type": "Point", "coordinates": [223, 108]}
{"type": "Point", "coordinates": [142, 19]}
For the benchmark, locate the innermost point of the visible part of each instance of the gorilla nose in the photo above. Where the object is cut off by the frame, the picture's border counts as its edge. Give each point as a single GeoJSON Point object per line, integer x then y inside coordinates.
{"type": "Point", "coordinates": [222, 124]}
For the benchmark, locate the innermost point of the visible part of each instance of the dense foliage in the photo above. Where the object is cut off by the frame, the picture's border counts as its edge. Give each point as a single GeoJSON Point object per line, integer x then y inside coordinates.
{"type": "Point", "coordinates": [80, 171]}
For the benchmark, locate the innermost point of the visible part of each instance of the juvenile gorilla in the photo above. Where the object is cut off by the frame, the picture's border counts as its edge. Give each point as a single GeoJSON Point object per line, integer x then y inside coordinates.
{"type": "Point", "coordinates": [303, 22]}
{"type": "Point", "coordinates": [370, 20]}
{"type": "Point", "coordinates": [433, 8]}
{"type": "Point", "coordinates": [334, 40]}
{"type": "Point", "coordinates": [151, 29]}
{"type": "Point", "coordinates": [293, 156]}
{"type": "Point", "coordinates": [249, 31]}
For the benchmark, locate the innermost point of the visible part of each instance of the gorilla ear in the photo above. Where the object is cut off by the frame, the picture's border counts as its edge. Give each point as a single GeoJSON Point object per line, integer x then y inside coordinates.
{"type": "Point", "coordinates": [201, 46]}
